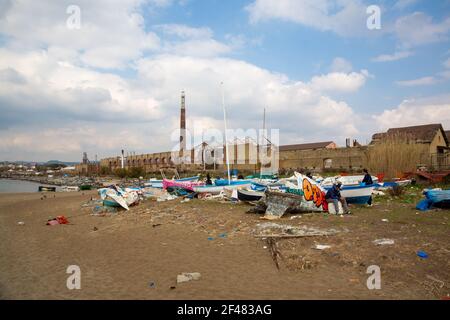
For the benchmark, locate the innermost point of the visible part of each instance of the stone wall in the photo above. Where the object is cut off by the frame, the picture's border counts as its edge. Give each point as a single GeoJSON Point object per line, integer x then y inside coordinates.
{"type": "Point", "coordinates": [317, 160]}
{"type": "Point", "coordinates": [329, 159]}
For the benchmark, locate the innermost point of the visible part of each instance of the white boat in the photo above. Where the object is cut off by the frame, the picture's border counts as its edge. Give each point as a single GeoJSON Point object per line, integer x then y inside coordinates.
{"type": "Point", "coordinates": [346, 180]}
{"type": "Point", "coordinates": [116, 197]}
{"type": "Point", "coordinates": [70, 188]}
{"type": "Point", "coordinates": [358, 194]}
{"type": "Point", "coordinates": [217, 189]}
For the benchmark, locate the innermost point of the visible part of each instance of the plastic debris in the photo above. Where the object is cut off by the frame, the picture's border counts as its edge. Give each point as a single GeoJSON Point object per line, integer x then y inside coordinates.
{"type": "Point", "coordinates": [322, 247]}
{"type": "Point", "coordinates": [385, 220]}
{"type": "Point", "coordinates": [21, 223]}
{"type": "Point", "coordinates": [57, 220]}
{"type": "Point", "coordinates": [422, 254]}
{"type": "Point", "coordinates": [383, 242]}
{"type": "Point", "coordinates": [186, 277]}
{"type": "Point", "coordinates": [424, 205]}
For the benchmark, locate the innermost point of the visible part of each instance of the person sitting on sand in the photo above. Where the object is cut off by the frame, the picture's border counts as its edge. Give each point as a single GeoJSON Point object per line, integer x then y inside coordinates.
{"type": "Point", "coordinates": [333, 196]}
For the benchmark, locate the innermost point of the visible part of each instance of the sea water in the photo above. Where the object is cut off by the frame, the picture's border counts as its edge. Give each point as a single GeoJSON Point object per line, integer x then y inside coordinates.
{"type": "Point", "coordinates": [16, 186]}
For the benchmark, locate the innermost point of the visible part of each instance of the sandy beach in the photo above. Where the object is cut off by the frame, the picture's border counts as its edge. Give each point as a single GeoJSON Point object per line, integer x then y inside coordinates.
{"type": "Point", "coordinates": [138, 254]}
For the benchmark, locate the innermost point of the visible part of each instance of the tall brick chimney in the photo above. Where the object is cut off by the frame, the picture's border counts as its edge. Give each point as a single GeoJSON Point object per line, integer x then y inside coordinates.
{"type": "Point", "coordinates": [183, 124]}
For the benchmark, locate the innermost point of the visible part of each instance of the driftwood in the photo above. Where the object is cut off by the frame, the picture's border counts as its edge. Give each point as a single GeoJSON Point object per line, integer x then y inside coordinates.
{"type": "Point", "coordinates": [274, 252]}
{"type": "Point", "coordinates": [274, 230]}
{"type": "Point", "coordinates": [291, 235]}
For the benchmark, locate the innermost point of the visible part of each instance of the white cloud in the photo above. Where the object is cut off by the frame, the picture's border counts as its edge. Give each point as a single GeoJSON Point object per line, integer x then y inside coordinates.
{"type": "Point", "coordinates": [50, 85]}
{"type": "Point", "coordinates": [133, 112]}
{"type": "Point", "coordinates": [197, 48]}
{"type": "Point", "coordinates": [189, 41]}
{"type": "Point", "coordinates": [339, 81]}
{"type": "Point", "coordinates": [343, 17]}
{"type": "Point", "coordinates": [184, 31]}
{"type": "Point", "coordinates": [424, 81]}
{"type": "Point", "coordinates": [419, 29]}
{"type": "Point", "coordinates": [111, 32]}
{"type": "Point", "coordinates": [416, 112]}
{"type": "Point", "coordinates": [398, 55]}
{"type": "Point", "coordinates": [341, 65]}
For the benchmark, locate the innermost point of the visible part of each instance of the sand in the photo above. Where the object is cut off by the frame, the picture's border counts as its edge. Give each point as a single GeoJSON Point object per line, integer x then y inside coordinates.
{"type": "Point", "coordinates": [138, 254]}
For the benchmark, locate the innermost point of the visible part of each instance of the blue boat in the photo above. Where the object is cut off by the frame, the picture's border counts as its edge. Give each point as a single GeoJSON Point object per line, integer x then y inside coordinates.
{"type": "Point", "coordinates": [225, 182]}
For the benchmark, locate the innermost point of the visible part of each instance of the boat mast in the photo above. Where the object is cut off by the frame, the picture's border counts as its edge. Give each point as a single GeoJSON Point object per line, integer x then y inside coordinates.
{"type": "Point", "coordinates": [264, 137]}
{"type": "Point", "coordinates": [226, 138]}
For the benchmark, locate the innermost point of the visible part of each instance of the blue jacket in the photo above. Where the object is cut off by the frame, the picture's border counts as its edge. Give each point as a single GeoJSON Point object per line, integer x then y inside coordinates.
{"type": "Point", "coordinates": [333, 193]}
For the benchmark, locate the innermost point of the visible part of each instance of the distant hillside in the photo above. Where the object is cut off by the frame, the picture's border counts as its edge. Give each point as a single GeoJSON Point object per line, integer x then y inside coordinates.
{"type": "Point", "coordinates": [48, 163]}
{"type": "Point", "coordinates": [57, 162]}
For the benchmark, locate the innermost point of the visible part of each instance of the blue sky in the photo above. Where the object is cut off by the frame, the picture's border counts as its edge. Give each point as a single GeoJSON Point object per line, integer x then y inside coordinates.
{"type": "Point", "coordinates": [115, 81]}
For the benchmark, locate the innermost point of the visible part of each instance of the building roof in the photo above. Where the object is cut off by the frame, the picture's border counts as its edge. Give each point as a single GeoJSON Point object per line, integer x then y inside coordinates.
{"type": "Point", "coordinates": [306, 146]}
{"type": "Point", "coordinates": [423, 133]}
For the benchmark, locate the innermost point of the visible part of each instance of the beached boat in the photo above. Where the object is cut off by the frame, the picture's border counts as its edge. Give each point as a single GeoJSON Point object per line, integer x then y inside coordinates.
{"type": "Point", "coordinates": [357, 194]}
{"type": "Point", "coordinates": [70, 188]}
{"type": "Point", "coordinates": [46, 189]}
{"type": "Point", "coordinates": [249, 195]}
{"type": "Point", "coordinates": [213, 189]}
{"type": "Point", "coordinates": [346, 180]}
{"type": "Point", "coordinates": [208, 189]}
{"type": "Point", "coordinates": [226, 182]}
{"type": "Point", "coordinates": [155, 183]}
{"type": "Point", "coordinates": [115, 197]}
{"type": "Point", "coordinates": [187, 185]}
{"type": "Point", "coordinates": [308, 199]}
{"type": "Point", "coordinates": [395, 183]}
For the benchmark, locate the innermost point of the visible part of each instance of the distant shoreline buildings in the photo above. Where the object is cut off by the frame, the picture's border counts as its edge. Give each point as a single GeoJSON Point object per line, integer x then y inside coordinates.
{"type": "Point", "coordinates": [316, 156]}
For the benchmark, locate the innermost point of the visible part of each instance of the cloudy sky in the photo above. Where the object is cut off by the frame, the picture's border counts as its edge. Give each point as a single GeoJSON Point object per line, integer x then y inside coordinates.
{"type": "Point", "coordinates": [114, 80]}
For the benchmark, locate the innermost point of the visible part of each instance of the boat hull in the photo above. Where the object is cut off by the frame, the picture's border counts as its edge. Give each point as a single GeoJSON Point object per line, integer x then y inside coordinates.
{"type": "Point", "coordinates": [46, 189]}
{"type": "Point", "coordinates": [249, 196]}
{"type": "Point", "coordinates": [356, 194]}
{"type": "Point", "coordinates": [187, 185]}
{"type": "Point", "coordinates": [159, 183]}
{"type": "Point", "coordinates": [217, 189]}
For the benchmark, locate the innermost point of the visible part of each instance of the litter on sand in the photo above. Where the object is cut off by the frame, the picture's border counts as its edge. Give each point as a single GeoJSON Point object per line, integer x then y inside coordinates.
{"type": "Point", "coordinates": [186, 277]}
{"type": "Point", "coordinates": [274, 230]}
{"type": "Point", "coordinates": [57, 220]}
{"type": "Point", "coordinates": [383, 242]}
{"type": "Point", "coordinates": [322, 247]}
{"type": "Point", "coordinates": [422, 254]}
